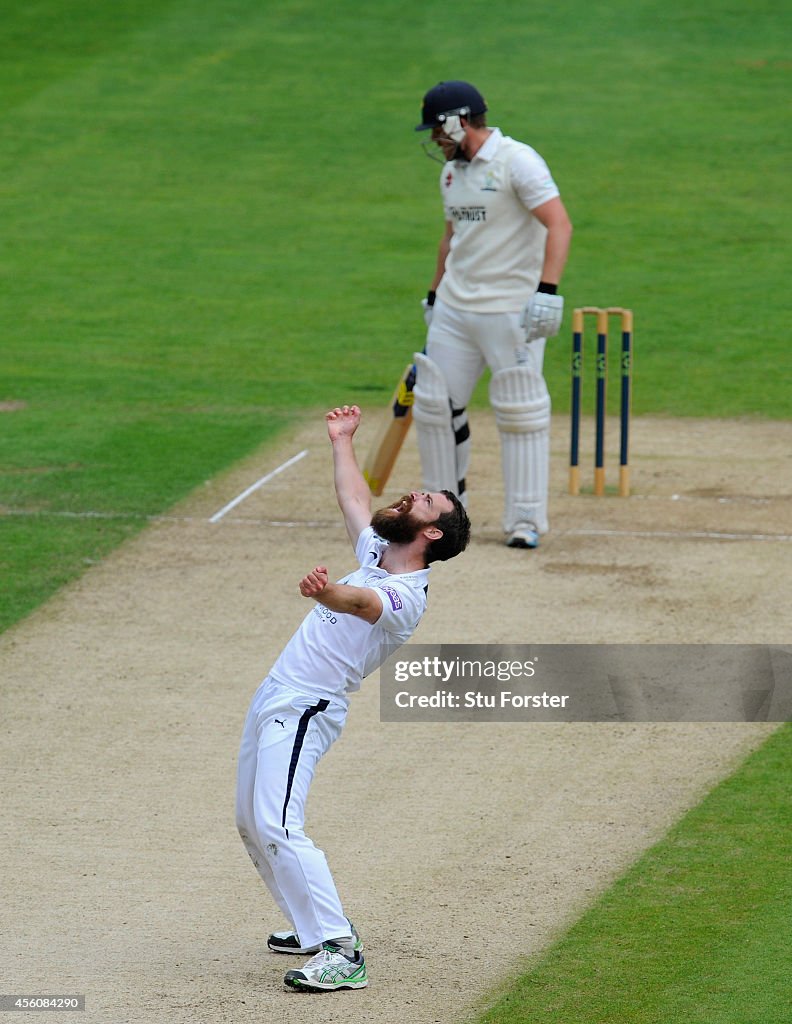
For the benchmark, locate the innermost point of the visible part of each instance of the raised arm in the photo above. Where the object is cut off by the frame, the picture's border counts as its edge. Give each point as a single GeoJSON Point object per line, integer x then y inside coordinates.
{"type": "Point", "coordinates": [352, 491]}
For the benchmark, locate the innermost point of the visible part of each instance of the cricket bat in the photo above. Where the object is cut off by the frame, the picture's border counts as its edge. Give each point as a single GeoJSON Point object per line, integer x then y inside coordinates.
{"type": "Point", "coordinates": [385, 449]}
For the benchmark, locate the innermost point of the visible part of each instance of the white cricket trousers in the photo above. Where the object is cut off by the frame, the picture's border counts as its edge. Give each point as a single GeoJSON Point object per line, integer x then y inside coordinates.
{"type": "Point", "coordinates": [462, 344]}
{"type": "Point", "coordinates": [285, 735]}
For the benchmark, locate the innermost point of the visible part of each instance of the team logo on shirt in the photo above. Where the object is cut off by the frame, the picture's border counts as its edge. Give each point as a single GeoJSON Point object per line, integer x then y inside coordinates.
{"type": "Point", "coordinates": [449, 179]}
{"type": "Point", "coordinates": [489, 183]}
{"type": "Point", "coordinates": [393, 597]}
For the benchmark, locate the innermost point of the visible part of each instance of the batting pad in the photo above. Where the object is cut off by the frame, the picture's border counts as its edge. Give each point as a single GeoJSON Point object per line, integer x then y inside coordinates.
{"type": "Point", "coordinates": [521, 403]}
{"type": "Point", "coordinates": [432, 417]}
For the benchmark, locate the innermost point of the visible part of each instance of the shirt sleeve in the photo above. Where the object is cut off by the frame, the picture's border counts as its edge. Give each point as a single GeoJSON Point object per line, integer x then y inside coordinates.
{"type": "Point", "coordinates": [402, 606]}
{"type": "Point", "coordinates": [531, 178]}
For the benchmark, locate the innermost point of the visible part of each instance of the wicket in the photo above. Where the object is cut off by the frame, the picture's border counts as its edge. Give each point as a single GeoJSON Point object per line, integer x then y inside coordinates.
{"type": "Point", "coordinates": [578, 323]}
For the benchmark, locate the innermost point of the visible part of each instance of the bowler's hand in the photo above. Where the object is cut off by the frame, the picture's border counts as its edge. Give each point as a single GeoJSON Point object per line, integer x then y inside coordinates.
{"type": "Point", "coordinates": [342, 421]}
{"type": "Point", "coordinates": [541, 317]}
{"type": "Point", "coordinates": [314, 583]}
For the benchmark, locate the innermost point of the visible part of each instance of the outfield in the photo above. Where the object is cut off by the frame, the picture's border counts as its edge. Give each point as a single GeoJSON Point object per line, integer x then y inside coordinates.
{"type": "Point", "coordinates": [217, 221]}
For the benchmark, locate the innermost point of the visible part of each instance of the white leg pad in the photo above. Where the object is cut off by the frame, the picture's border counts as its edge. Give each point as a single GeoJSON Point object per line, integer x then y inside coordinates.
{"type": "Point", "coordinates": [433, 421]}
{"type": "Point", "coordinates": [521, 403]}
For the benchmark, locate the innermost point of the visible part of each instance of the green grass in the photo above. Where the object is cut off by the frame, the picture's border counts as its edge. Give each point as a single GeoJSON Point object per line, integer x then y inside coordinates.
{"type": "Point", "coordinates": [697, 932]}
{"type": "Point", "coordinates": [57, 549]}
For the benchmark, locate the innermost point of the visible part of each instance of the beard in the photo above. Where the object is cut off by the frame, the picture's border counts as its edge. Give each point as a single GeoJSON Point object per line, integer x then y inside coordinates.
{"type": "Point", "coordinates": [450, 155]}
{"type": "Point", "coordinates": [396, 523]}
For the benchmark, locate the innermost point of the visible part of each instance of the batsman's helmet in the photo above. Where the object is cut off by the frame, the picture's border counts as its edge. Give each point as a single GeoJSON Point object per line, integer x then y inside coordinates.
{"type": "Point", "coordinates": [447, 98]}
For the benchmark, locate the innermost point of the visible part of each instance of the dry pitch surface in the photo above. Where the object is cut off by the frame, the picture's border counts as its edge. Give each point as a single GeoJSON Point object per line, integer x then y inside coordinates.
{"type": "Point", "coordinates": [458, 849]}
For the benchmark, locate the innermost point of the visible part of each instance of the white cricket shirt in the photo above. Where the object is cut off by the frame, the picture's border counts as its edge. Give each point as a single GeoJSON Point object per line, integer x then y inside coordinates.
{"type": "Point", "coordinates": [332, 652]}
{"type": "Point", "coordinates": [497, 248]}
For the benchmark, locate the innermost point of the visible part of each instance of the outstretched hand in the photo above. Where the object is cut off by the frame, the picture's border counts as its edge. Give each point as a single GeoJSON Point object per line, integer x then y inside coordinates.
{"type": "Point", "coordinates": [342, 421]}
{"type": "Point", "coordinates": [314, 583]}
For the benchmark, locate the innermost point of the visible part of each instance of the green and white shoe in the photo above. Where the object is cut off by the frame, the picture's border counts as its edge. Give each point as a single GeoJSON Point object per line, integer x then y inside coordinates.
{"type": "Point", "coordinates": [330, 970]}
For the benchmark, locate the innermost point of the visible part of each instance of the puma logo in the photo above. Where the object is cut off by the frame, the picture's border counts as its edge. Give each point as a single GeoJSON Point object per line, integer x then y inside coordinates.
{"type": "Point", "coordinates": [280, 723]}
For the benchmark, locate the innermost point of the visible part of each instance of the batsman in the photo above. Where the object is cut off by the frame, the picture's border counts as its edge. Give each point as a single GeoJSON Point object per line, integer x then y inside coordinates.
{"type": "Point", "coordinates": [493, 301]}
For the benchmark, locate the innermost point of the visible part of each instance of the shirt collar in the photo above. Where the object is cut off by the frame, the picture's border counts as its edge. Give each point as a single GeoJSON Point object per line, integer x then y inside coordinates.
{"type": "Point", "coordinates": [490, 147]}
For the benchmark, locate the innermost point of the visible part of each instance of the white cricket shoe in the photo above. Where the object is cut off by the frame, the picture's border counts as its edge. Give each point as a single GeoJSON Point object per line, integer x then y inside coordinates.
{"type": "Point", "coordinates": [331, 970]}
{"type": "Point", "coordinates": [524, 535]}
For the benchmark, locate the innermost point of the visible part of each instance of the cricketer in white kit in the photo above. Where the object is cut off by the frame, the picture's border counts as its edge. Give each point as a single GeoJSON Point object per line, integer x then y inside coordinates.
{"type": "Point", "coordinates": [301, 706]}
{"type": "Point", "coordinates": [492, 302]}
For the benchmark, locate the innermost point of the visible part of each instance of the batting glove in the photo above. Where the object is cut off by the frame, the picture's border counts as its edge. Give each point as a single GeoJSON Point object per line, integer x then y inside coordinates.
{"type": "Point", "coordinates": [541, 317]}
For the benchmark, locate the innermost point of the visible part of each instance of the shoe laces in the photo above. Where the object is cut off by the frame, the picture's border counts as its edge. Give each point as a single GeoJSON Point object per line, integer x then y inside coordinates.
{"type": "Point", "coordinates": [328, 950]}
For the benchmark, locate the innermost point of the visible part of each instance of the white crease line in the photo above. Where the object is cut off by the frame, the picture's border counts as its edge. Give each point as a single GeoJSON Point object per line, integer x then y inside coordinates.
{"type": "Point", "coordinates": [733, 499]}
{"type": "Point", "coordinates": [259, 483]}
{"type": "Point", "coordinates": [680, 534]}
{"type": "Point", "coordinates": [334, 524]}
